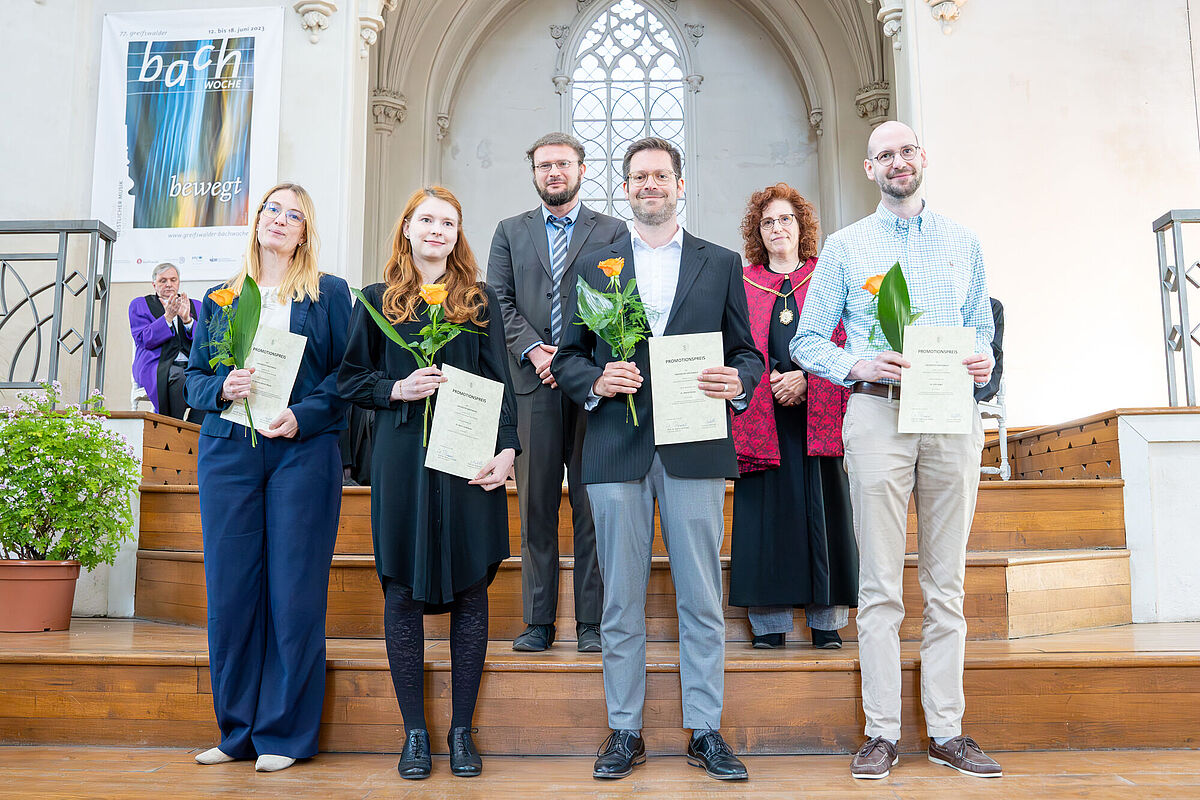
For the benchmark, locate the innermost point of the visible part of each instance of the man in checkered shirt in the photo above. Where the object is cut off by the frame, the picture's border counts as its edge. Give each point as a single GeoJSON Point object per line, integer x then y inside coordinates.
{"type": "Point", "coordinates": [943, 267]}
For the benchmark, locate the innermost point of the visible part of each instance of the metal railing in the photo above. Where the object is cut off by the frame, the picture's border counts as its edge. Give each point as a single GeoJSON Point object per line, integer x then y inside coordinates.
{"type": "Point", "coordinates": [37, 290]}
{"type": "Point", "coordinates": [1178, 333]}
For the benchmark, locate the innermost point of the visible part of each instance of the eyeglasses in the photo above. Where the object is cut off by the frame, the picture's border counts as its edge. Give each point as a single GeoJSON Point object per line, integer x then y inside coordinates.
{"type": "Point", "coordinates": [785, 220]}
{"type": "Point", "coordinates": [271, 211]}
{"type": "Point", "coordinates": [546, 166]}
{"type": "Point", "coordinates": [908, 153]}
{"type": "Point", "coordinates": [661, 177]}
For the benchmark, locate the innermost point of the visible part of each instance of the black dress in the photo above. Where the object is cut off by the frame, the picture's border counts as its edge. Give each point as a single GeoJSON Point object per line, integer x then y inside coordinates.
{"type": "Point", "coordinates": [793, 535]}
{"type": "Point", "coordinates": [433, 532]}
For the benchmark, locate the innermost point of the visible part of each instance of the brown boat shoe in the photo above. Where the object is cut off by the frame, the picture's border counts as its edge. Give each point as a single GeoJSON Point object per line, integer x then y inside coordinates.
{"type": "Point", "coordinates": [963, 754]}
{"type": "Point", "coordinates": [874, 759]}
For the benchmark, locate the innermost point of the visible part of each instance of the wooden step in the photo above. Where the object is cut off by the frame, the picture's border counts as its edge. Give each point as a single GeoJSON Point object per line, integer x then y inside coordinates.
{"type": "Point", "coordinates": [136, 683]}
{"type": "Point", "coordinates": [1014, 515]}
{"type": "Point", "coordinates": [1008, 594]}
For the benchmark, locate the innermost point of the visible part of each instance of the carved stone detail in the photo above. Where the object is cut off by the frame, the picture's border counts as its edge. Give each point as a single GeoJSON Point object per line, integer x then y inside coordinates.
{"type": "Point", "coordinates": [580, 5]}
{"type": "Point", "coordinates": [559, 34]}
{"type": "Point", "coordinates": [891, 14]}
{"type": "Point", "coordinates": [369, 26]}
{"type": "Point", "coordinates": [946, 12]}
{"type": "Point", "coordinates": [561, 83]}
{"type": "Point", "coordinates": [693, 82]}
{"type": "Point", "coordinates": [695, 31]}
{"type": "Point", "coordinates": [314, 16]}
{"type": "Point", "coordinates": [874, 101]}
{"type": "Point", "coordinates": [389, 108]}
{"type": "Point", "coordinates": [815, 118]}
{"type": "Point", "coordinates": [443, 126]}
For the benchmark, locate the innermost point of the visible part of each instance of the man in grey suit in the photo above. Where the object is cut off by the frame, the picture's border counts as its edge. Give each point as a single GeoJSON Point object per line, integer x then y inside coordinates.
{"type": "Point", "coordinates": [532, 268]}
{"type": "Point", "coordinates": [687, 285]}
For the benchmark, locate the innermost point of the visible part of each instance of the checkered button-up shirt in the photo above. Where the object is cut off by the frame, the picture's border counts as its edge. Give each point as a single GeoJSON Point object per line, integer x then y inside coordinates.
{"type": "Point", "coordinates": [942, 265]}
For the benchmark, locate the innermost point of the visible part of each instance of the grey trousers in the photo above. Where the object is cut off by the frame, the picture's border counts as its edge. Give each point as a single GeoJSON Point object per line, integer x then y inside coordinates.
{"type": "Point", "coordinates": [765, 620]}
{"type": "Point", "coordinates": [690, 510]}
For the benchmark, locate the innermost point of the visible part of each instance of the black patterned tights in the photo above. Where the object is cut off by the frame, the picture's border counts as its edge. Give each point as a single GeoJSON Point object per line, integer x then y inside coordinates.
{"type": "Point", "coordinates": [404, 629]}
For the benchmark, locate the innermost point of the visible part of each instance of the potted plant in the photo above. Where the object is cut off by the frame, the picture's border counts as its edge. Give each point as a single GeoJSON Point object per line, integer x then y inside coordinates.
{"type": "Point", "coordinates": [66, 483]}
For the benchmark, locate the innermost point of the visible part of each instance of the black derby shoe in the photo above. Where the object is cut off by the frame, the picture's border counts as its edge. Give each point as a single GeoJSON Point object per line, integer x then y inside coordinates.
{"type": "Point", "coordinates": [769, 641]}
{"type": "Point", "coordinates": [535, 639]}
{"type": "Point", "coordinates": [708, 750]}
{"type": "Point", "coordinates": [589, 638]}
{"type": "Point", "coordinates": [826, 640]}
{"type": "Point", "coordinates": [415, 762]}
{"type": "Point", "coordinates": [464, 758]}
{"type": "Point", "coordinates": [620, 753]}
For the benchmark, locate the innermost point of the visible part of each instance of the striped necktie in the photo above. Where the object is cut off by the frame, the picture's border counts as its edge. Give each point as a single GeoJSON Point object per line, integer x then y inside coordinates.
{"type": "Point", "coordinates": [558, 264]}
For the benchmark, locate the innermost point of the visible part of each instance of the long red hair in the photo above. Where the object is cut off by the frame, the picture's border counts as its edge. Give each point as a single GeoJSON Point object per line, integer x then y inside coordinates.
{"type": "Point", "coordinates": [465, 301]}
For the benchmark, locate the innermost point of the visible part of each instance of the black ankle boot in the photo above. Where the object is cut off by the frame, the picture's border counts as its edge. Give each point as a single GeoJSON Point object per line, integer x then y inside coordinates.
{"type": "Point", "coordinates": [464, 758]}
{"type": "Point", "coordinates": [415, 762]}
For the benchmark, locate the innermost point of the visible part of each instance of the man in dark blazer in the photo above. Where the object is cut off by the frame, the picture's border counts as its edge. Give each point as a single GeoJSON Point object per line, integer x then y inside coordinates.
{"type": "Point", "coordinates": [532, 268]}
{"type": "Point", "coordinates": [687, 286]}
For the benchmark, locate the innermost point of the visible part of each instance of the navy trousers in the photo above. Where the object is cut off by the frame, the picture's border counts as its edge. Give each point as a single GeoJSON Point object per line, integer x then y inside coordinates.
{"type": "Point", "coordinates": [270, 517]}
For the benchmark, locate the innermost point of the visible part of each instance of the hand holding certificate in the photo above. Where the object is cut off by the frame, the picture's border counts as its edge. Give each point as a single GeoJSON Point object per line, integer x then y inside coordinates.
{"type": "Point", "coordinates": [936, 394]}
{"type": "Point", "coordinates": [462, 437]}
{"type": "Point", "coordinates": [275, 356]}
{"type": "Point", "coordinates": [682, 411]}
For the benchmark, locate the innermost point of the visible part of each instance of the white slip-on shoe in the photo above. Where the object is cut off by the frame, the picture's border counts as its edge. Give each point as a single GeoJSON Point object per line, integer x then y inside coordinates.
{"type": "Point", "coordinates": [268, 763]}
{"type": "Point", "coordinates": [213, 755]}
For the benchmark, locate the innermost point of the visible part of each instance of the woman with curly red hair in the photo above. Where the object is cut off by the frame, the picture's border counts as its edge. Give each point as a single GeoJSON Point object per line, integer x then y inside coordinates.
{"type": "Point", "coordinates": [438, 538]}
{"type": "Point", "coordinates": [793, 538]}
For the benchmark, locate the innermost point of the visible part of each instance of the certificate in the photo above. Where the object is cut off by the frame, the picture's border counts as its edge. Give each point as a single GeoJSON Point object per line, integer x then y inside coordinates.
{"type": "Point", "coordinates": [275, 356]}
{"type": "Point", "coordinates": [937, 391]}
{"type": "Point", "coordinates": [683, 413]}
{"type": "Point", "coordinates": [462, 436]}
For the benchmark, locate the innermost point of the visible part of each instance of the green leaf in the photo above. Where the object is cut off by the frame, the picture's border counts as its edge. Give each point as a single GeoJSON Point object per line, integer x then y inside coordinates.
{"type": "Point", "coordinates": [895, 309]}
{"type": "Point", "coordinates": [597, 310]}
{"type": "Point", "coordinates": [245, 320]}
{"type": "Point", "coordinates": [388, 329]}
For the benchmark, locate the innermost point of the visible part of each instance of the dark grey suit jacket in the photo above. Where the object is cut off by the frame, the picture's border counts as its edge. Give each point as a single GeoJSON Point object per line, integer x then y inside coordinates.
{"type": "Point", "coordinates": [519, 271]}
{"type": "Point", "coordinates": [708, 297]}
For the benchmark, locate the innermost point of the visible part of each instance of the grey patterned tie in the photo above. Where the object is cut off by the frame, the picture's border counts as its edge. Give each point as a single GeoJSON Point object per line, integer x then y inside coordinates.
{"type": "Point", "coordinates": [558, 264]}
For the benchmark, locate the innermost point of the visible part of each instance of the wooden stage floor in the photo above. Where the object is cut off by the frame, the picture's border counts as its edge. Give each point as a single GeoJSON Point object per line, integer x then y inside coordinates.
{"type": "Point", "coordinates": [98, 773]}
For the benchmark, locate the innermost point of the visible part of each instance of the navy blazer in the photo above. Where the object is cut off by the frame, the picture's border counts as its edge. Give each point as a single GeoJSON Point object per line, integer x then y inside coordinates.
{"type": "Point", "coordinates": [315, 400]}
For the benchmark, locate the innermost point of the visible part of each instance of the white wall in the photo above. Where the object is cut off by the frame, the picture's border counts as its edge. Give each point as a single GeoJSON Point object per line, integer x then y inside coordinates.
{"type": "Point", "coordinates": [49, 98]}
{"type": "Point", "coordinates": [1059, 132]}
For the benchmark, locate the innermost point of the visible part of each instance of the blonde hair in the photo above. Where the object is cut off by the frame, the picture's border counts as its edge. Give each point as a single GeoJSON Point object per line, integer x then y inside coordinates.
{"type": "Point", "coordinates": [465, 300]}
{"type": "Point", "coordinates": [303, 279]}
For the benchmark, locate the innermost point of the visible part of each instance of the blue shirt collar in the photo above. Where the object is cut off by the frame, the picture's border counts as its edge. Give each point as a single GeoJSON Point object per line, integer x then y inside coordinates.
{"type": "Point", "coordinates": [890, 222]}
{"type": "Point", "coordinates": [570, 216]}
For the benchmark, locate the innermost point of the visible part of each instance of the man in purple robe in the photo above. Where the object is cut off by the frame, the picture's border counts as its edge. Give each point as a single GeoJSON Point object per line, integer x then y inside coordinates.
{"type": "Point", "coordinates": [161, 324]}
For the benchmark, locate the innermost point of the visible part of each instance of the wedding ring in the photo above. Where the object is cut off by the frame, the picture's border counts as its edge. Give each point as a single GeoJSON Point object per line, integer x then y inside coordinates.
{"type": "Point", "coordinates": [724, 387]}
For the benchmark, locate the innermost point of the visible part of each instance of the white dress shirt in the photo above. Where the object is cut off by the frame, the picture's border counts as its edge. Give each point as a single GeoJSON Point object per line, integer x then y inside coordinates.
{"type": "Point", "coordinates": [657, 273]}
{"type": "Point", "coordinates": [275, 314]}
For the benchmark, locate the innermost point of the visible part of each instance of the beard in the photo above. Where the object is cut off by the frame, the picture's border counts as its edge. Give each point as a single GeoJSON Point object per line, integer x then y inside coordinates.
{"type": "Point", "coordinates": [652, 218]}
{"type": "Point", "coordinates": [892, 188]}
{"type": "Point", "coordinates": [560, 197]}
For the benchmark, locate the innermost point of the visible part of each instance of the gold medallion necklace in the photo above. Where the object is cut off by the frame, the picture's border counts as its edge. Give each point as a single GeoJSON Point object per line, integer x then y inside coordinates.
{"type": "Point", "coordinates": [786, 315]}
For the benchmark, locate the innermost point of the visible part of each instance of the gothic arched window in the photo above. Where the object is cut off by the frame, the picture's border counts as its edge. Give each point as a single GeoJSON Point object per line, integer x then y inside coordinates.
{"type": "Point", "coordinates": [627, 82]}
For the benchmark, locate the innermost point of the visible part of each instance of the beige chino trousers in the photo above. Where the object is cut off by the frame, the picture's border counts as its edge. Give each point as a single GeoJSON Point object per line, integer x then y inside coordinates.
{"type": "Point", "coordinates": [942, 472]}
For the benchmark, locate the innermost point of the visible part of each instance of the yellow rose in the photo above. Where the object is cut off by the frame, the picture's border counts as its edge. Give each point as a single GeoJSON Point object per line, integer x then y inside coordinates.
{"type": "Point", "coordinates": [612, 266]}
{"type": "Point", "coordinates": [434, 293]}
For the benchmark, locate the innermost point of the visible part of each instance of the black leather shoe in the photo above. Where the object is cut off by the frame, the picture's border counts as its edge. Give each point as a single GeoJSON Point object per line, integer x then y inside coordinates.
{"type": "Point", "coordinates": [769, 641]}
{"type": "Point", "coordinates": [415, 762]}
{"type": "Point", "coordinates": [708, 750]}
{"type": "Point", "coordinates": [464, 758]}
{"type": "Point", "coordinates": [589, 638]}
{"type": "Point", "coordinates": [826, 640]}
{"type": "Point", "coordinates": [535, 639]}
{"type": "Point", "coordinates": [620, 753]}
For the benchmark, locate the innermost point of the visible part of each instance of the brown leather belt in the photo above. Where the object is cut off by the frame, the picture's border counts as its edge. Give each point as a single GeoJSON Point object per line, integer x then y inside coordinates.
{"type": "Point", "coordinates": [888, 391]}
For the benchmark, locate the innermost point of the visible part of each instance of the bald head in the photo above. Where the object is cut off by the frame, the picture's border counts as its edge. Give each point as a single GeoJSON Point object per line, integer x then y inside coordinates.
{"type": "Point", "coordinates": [891, 135]}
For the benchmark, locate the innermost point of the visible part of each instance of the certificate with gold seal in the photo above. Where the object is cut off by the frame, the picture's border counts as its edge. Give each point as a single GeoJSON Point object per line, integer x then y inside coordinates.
{"type": "Point", "coordinates": [936, 392]}
{"type": "Point", "coordinates": [683, 413]}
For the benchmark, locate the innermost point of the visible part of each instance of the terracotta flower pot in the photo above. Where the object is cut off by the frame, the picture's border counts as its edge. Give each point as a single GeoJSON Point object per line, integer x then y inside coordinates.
{"type": "Point", "coordinates": [37, 595]}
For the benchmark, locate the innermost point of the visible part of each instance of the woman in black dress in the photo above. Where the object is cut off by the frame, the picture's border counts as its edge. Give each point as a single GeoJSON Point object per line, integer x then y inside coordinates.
{"type": "Point", "coordinates": [438, 538]}
{"type": "Point", "coordinates": [793, 537]}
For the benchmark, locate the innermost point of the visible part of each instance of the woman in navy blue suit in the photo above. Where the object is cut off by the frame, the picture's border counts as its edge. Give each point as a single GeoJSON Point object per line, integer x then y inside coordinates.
{"type": "Point", "coordinates": [270, 513]}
